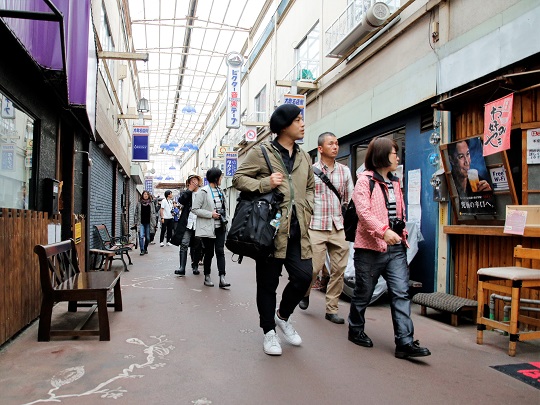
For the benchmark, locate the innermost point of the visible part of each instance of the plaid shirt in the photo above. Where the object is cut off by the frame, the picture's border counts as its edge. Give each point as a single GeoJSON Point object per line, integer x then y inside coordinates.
{"type": "Point", "coordinates": [327, 210]}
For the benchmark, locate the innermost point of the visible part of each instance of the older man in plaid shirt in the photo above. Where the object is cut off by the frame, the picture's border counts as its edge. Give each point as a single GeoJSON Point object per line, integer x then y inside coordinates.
{"type": "Point", "coordinates": [326, 227]}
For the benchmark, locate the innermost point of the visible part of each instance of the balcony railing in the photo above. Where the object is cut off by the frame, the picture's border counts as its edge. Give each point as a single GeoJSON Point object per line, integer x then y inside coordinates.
{"type": "Point", "coordinates": [349, 21]}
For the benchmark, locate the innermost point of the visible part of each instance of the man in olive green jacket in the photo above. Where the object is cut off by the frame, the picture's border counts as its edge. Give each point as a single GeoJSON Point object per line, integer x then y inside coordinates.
{"type": "Point", "coordinates": [293, 177]}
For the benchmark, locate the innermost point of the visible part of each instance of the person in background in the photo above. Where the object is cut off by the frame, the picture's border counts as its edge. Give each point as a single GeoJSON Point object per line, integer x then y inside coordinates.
{"type": "Point", "coordinates": [166, 216]}
{"type": "Point", "coordinates": [176, 215]}
{"type": "Point", "coordinates": [209, 205]}
{"type": "Point", "coordinates": [185, 230]}
{"type": "Point", "coordinates": [153, 230]}
{"type": "Point", "coordinates": [293, 177]}
{"type": "Point", "coordinates": [379, 248]}
{"type": "Point", "coordinates": [326, 228]}
{"type": "Point", "coordinates": [145, 220]}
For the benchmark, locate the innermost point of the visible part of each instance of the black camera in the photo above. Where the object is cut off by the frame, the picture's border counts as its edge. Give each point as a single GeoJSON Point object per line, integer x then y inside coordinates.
{"type": "Point", "coordinates": [223, 216]}
{"type": "Point", "coordinates": [397, 225]}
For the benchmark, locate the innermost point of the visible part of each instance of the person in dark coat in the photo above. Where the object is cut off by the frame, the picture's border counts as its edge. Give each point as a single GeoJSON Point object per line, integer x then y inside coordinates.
{"type": "Point", "coordinates": [185, 229]}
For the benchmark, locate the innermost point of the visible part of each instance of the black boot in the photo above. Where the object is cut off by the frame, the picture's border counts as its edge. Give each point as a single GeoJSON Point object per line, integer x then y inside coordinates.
{"type": "Point", "coordinates": [146, 242]}
{"type": "Point", "coordinates": [222, 282]}
{"type": "Point", "coordinates": [183, 260]}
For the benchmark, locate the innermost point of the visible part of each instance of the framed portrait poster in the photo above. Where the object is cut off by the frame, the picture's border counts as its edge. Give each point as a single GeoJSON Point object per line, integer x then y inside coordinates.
{"type": "Point", "coordinates": [479, 186]}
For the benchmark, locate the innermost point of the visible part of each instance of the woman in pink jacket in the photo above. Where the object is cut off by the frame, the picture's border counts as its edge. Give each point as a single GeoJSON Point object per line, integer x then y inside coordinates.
{"type": "Point", "coordinates": [379, 248]}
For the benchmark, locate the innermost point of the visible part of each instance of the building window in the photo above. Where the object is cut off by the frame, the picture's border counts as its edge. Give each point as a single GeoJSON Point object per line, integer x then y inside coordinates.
{"type": "Point", "coordinates": [16, 147]}
{"type": "Point", "coordinates": [397, 135]}
{"type": "Point", "coordinates": [307, 55]}
{"type": "Point", "coordinates": [260, 106]}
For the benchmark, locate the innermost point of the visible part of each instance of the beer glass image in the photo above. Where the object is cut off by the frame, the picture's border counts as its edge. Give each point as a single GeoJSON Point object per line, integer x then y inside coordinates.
{"type": "Point", "coordinates": [472, 174]}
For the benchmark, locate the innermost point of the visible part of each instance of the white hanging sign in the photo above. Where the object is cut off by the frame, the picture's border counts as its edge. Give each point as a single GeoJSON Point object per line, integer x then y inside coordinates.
{"type": "Point", "coordinates": [234, 83]}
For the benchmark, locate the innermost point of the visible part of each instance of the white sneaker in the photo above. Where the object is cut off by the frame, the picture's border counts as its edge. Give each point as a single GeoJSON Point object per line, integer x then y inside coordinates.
{"type": "Point", "coordinates": [169, 244]}
{"type": "Point", "coordinates": [162, 244]}
{"type": "Point", "coordinates": [271, 344]}
{"type": "Point", "coordinates": [289, 334]}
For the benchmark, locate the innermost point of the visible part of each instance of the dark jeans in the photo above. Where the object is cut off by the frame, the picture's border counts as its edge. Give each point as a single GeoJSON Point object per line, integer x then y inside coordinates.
{"type": "Point", "coordinates": [144, 236]}
{"type": "Point", "coordinates": [217, 244]}
{"type": "Point", "coordinates": [268, 273]}
{"type": "Point", "coordinates": [167, 225]}
{"type": "Point", "coordinates": [392, 265]}
{"type": "Point", "coordinates": [195, 251]}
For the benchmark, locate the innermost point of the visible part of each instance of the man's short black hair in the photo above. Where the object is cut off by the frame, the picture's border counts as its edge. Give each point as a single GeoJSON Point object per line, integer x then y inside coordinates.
{"type": "Point", "coordinates": [213, 174]}
{"type": "Point", "coordinates": [167, 193]}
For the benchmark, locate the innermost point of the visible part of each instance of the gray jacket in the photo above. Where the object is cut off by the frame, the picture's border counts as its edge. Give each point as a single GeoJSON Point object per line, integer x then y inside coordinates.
{"type": "Point", "coordinates": [203, 206]}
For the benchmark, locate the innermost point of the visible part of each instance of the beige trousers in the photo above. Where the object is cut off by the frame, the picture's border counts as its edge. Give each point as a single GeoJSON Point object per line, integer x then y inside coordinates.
{"type": "Point", "coordinates": [337, 247]}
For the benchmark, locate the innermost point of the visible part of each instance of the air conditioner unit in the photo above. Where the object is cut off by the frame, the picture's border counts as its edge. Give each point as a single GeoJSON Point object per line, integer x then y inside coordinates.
{"type": "Point", "coordinates": [122, 71]}
{"type": "Point", "coordinates": [373, 18]}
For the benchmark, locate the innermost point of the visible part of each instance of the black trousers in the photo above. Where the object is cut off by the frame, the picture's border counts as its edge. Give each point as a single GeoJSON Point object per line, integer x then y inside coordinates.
{"type": "Point", "coordinates": [268, 273]}
{"type": "Point", "coordinates": [168, 226]}
{"type": "Point", "coordinates": [216, 244]}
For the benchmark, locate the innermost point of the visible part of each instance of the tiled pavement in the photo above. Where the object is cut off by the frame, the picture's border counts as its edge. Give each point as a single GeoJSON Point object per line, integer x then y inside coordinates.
{"type": "Point", "coordinates": [179, 342]}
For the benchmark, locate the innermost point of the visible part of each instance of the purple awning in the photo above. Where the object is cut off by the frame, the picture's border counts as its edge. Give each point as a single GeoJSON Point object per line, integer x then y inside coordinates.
{"type": "Point", "coordinates": [42, 25]}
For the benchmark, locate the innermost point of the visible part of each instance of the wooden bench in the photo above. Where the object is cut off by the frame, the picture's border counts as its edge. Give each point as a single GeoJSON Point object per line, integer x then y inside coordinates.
{"type": "Point", "coordinates": [445, 303]}
{"type": "Point", "coordinates": [105, 258]}
{"type": "Point", "coordinates": [119, 246]}
{"type": "Point", "coordinates": [62, 280]}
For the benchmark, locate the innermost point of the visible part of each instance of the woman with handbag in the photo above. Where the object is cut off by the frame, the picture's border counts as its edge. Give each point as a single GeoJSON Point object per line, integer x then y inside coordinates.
{"type": "Point", "coordinates": [209, 204]}
{"type": "Point", "coordinates": [293, 177]}
{"type": "Point", "coordinates": [380, 248]}
{"type": "Point", "coordinates": [145, 220]}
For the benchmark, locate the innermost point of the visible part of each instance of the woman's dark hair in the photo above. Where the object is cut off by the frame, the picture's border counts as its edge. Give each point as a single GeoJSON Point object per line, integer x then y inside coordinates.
{"type": "Point", "coordinates": [167, 193]}
{"type": "Point", "coordinates": [378, 151]}
{"type": "Point", "coordinates": [213, 174]}
{"type": "Point", "coordinates": [149, 195]}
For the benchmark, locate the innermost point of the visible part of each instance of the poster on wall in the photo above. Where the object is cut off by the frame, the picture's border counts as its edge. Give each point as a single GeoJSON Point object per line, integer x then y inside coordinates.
{"type": "Point", "coordinates": [471, 177]}
{"type": "Point", "coordinates": [533, 146]}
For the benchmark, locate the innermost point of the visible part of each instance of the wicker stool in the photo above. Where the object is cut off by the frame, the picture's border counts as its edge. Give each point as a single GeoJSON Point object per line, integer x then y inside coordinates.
{"type": "Point", "coordinates": [444, 302]}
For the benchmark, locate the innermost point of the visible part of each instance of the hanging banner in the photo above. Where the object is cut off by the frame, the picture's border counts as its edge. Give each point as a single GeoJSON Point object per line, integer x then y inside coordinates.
{"type": "Point", "coordinates": [498, 125]}
{"type": "Point", "coordinates": [234, 81]}
{"type": "Point", "coordinates": [231, 163]}
{"type": "Point", "coordinates": [533, 146]}
{"type": "Point", "coordinates": [149, 184]}
{"type": "Point", "coordinates": [140, 143]}
{"type": "Point", "coordinates": [251, 134]}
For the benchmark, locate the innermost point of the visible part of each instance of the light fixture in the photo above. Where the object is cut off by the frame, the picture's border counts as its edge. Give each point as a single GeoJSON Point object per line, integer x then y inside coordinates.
{"type": "Point", "coordinates": [169, 178]}
{"type": "Point", "coordinates": [101, 145]}
{"type": "Point", "coordinates": [125, 176]}
{"type": "Point", "coordinates": [434, 138]}
{"type": "Point", "coordinates": [172, 168]}
{"type": "Point", "coordinates": [174, 144]}
{"type": "Point", "coordinates": [160, 177]}
{"type": "Point", "coordinates": [121, 170]}
{"type": "Point", "coordinates": [189, 109]}
{"type": "Point", "coordinates": [433, 159]}
{"type": "Point", "coordinates": [143, 106]}
{"type": "Point", "coordinates": [163, 146]}
{"type": "Point", "coordinates": [188, 145]}
{"type": "Point", "coordinates": [87, 154]}
{"type": "Point", "coordinates": [184, 149]}
{"type": "Point", "coordinates": [111, 158]}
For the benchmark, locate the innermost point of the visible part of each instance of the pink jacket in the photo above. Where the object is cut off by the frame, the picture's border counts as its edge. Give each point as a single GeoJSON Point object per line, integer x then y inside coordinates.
{"type": "Point", "coordinates": [372, 212]}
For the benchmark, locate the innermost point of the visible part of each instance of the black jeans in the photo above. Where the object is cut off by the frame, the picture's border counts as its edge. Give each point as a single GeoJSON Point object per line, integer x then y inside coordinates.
{"type": "Point", "coordinates": [168, 226]}
{"type": "Point", "coordinates": [268, 273]}
{"type": "Point", "coordinates": [217, 244]}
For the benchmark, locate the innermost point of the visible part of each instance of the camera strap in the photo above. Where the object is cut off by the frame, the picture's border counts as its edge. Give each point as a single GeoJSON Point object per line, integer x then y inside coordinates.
{"type": "Point", "coordinates": [220, 195]}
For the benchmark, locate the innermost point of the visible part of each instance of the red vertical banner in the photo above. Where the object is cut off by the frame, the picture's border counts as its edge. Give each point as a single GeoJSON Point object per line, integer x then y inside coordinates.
{"type": "Point", "coordinates": [498, 125]}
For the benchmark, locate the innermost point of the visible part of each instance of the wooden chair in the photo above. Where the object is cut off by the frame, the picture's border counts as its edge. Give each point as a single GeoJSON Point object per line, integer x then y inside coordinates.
{"type": "Point", "coordinates": [120, 246]}
{"type": "Point", "coordinates": [61, 280]}
{"type": "Point", "coordinates": [509, 281]}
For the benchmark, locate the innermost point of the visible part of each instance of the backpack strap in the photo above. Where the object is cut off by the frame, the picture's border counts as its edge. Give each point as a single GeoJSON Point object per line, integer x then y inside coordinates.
{"type": "Point", "coordinates": [326, 181]}
{"type": "Point", "coordinates": [263, 150]}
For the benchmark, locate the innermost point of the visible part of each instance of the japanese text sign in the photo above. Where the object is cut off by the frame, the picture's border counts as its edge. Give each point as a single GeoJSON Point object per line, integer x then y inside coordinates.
{"type": "Point", "coordinates": [497, 125]}
{"type": "Point", "coordinates": [231, 163]}
{"type": "Point", "coordinates": [533, 146]}
{"type": "Point", "coordinates": [234, 83]}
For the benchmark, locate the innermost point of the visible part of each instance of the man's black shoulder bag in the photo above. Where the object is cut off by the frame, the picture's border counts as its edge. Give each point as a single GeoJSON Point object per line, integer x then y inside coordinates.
{"type": "Point", "coordinates": [251, 234]}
